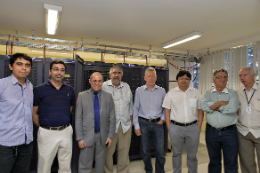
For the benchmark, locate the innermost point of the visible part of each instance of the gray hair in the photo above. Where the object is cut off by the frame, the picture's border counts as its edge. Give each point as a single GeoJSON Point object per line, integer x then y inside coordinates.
{"type": "Point", "coordinates": [220, 70]}
{"type": "Point", "coordinates": [252, 71]}
{"type": "Point", "coordinates": [112, 68]}
{"type": "Point", "coordinates": [150, 69]}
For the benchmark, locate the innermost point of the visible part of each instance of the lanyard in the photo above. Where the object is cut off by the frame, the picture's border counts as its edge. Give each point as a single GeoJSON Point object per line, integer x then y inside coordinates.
{"type": "Point", "coordinates": [250, 98]}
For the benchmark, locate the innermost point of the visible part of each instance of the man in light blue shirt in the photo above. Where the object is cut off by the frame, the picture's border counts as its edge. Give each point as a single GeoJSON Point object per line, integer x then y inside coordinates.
{"type": "Point", "coordinates": [148, 119]}
{"type": "Point", "coordinates": [16, 126]}
{"type": "Point", "coordinates": [221, 105]}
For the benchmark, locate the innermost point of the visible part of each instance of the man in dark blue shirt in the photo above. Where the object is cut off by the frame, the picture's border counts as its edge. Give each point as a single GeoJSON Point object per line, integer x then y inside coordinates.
{"type": "Point", "coordinates": [53, 103]}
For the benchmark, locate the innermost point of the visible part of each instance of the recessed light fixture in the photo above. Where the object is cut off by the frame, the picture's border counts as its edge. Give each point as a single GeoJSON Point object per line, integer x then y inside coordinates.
{"type": "Point", "coordinates": [182, 39]}
{"type": "Point", "coordinates": [52, 18]}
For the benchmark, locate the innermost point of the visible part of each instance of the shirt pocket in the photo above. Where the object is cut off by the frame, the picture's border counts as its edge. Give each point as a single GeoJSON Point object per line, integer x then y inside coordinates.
{"type": "Point", "coordinates": [257, 105]}
{"type": "Point", "coordinates": [193, 105]}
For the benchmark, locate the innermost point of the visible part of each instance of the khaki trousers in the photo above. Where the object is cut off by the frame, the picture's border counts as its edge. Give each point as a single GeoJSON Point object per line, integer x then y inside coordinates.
{"type": "Point", "coordinates": [247, 146]}
{"type": "Point", "coordinates": [122, 141]}
{"type": "Point", "coordinates": [51, 142]}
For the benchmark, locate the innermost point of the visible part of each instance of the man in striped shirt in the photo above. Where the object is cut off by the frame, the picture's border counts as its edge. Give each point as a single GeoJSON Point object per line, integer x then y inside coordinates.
{"type": "Point", "coordinates": [122, 97]}
{"type": "Point", "coordinates": [53, 103]}
{"type": "Point", "coordinates": [16, 127]}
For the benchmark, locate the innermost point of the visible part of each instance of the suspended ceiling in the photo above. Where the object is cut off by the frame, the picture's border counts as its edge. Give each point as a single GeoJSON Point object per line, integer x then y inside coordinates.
{"type": "Point", "coordinates": [140, 23]}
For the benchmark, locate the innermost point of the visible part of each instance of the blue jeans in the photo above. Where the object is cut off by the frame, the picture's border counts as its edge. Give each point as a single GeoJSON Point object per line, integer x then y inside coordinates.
{"type": "Point", "coordinates": [20, 163]}
{"type": "Point", "coordinates": [152, 130]}
{"type": "Point", "coordinates": [227, 140]}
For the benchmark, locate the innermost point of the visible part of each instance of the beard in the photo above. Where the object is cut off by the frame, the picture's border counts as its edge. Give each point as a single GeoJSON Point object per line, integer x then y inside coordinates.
{"type": "Point", "coordinates": [116, 81]}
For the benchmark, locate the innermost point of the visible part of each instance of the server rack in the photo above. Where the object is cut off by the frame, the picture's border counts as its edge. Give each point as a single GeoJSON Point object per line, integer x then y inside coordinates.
{"type": "Point", "coordinates": [78, 87]}
{"type": "Point", "coordinates": [97, 66]}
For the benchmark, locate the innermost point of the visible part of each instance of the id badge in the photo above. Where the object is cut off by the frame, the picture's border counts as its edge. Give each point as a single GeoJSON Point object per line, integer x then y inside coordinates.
{"type": "Point", "coordinates": [248, 109]}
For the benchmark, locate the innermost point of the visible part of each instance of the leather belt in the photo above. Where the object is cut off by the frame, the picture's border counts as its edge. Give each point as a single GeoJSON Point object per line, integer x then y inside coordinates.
{"type": "Point", "coordinates": [55, 128]}
{"type": "Point", "coordinates": [223, 128]}
{"type": "Point", "coordinates": [183, 124]}
{"type": "Point", "coordinates": [150, 120]}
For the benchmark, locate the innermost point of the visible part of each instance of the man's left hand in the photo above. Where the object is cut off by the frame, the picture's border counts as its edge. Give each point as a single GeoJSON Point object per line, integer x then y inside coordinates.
{"type": "Point", "coordinates": [109, 142]}
{"type": "Point", "coordinates": [160, 122]}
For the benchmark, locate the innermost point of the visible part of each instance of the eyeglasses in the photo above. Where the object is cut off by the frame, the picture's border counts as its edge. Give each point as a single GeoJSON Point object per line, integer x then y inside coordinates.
{"type": "Point", "coordinates": [222, 77]}
{"type": "Point", "coordinates": [57, 70]}
{"type": "Point", "coordinates": [117, 72]}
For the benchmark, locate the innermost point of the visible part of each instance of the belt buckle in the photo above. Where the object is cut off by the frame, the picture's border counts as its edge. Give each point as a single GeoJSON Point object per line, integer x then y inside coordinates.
{"type": "Point", "coordinates": [53, 128]}
{"type": "Point", "coordinates": [218, 128]}
{"type": "Point", "coordinates": [150, 120]}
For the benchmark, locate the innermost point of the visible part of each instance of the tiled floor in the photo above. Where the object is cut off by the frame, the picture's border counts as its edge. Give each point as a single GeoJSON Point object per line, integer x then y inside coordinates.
{"type": "Point", "coordinates": [137, 166]}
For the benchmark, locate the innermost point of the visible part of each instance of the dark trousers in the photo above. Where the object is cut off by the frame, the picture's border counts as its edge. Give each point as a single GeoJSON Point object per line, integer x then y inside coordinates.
{"type": "Point", "coordinates": [227, 141]}
{"type": "Point", "coordinates": [20, 163]}
{"type": "Point", "coordinates": [152, 130]}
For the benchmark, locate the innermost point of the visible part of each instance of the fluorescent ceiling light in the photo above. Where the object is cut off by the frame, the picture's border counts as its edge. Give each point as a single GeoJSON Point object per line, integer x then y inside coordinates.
{"type": "Point", "coordinates": [182, 39]}
{"type": "Point", "coordinates": [52, 18]}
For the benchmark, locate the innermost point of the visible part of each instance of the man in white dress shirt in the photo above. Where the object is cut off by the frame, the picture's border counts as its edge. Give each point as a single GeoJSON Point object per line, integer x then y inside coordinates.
{"type": "Point", "coordinates": [183, 121]}
{"type": "Point", "coordinates": [249, 121]}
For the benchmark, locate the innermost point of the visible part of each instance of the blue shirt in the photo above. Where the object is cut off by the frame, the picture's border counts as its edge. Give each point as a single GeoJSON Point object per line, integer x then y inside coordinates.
{"type": "Point", "coordinates": [148, 104]}
{"type": "Point", "coordinates": [54, 105]}
{"type": "Point", "coordinates": [228, 114]}
{"type": "Point", "coordinates": [16, 106]}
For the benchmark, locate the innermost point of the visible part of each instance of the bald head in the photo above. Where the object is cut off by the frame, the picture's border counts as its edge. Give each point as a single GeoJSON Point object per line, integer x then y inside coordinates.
{"type": "Point", "coordinates": [96, 73]}
{"type": "Point", "coordinates": [96, 81]}
{"type": "Point", "coordinates": [249, 69]}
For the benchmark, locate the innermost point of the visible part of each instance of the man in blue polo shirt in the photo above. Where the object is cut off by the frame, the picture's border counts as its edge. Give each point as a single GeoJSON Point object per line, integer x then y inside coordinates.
{"type": "Point", "coordinates": [53, 103]}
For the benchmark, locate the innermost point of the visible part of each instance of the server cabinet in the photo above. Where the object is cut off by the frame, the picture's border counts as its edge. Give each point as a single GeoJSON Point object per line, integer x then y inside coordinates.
{"type": "Point", "coordinates": [78, 87]}
{"type": "Point", "coordinates": [91, 67]}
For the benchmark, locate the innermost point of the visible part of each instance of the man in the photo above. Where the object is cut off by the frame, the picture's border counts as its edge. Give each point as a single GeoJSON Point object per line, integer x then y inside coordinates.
{"type": "Point", "coordinates": [148, 120]}
{"type": "Point", "coordinates": [16, 127]}
{"type": "Point", "coordinates": [181, 105]}
{"type": "Point", "coordinates": [221, 104]}
{"type": "Point", "coordinates": [95, 125]}
{"type": "Point", "coordinates": [249, 121]}
{"type": "Point", "coordinates": [52, 107]}
{"type": "Point", "coordinates": [122, 97]}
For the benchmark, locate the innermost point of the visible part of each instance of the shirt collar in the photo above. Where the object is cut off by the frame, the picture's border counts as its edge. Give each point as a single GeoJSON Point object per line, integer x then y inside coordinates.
{"type": "Point", "coordinates": [15, 81]}
{"type": "Point", "coordinates": [92, 91]}
{"type": "Point", "coordinates": [254, 87]}
{"type": "Point", "coordinates": [49, 83]}
{"type": "Point", "coordinates": [109, 83]}
{"type": "Point", "coordinates": [155, 87]}
{"type": "Point", "coordinates": [224, 90]}
{"type": "Point", "coordinates": [178, 89]}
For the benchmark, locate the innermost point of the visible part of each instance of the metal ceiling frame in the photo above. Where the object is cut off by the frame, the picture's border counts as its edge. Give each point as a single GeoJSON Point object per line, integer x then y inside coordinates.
{"type": "Point", "coordinates": [166, 55]}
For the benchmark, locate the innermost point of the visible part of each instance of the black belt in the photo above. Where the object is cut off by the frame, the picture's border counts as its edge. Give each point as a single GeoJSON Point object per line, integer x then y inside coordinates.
{"type": "Point", "coordinates": [55, 128]}
{"type": "Point", "coordinates": [223, 128]}
{"type": "Point", "coordinates": [183, 124]}
{"type": "Point", "coordinates": [151, 120]}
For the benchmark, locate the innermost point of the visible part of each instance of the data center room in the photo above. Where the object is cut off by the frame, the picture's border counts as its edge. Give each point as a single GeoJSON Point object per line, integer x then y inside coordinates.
{"type": "Point", "coordinates": [93, 36]}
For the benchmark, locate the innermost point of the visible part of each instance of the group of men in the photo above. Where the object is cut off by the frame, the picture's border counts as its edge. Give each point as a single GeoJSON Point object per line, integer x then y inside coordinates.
{"type": "Point", "coordinates": [104, 115]}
